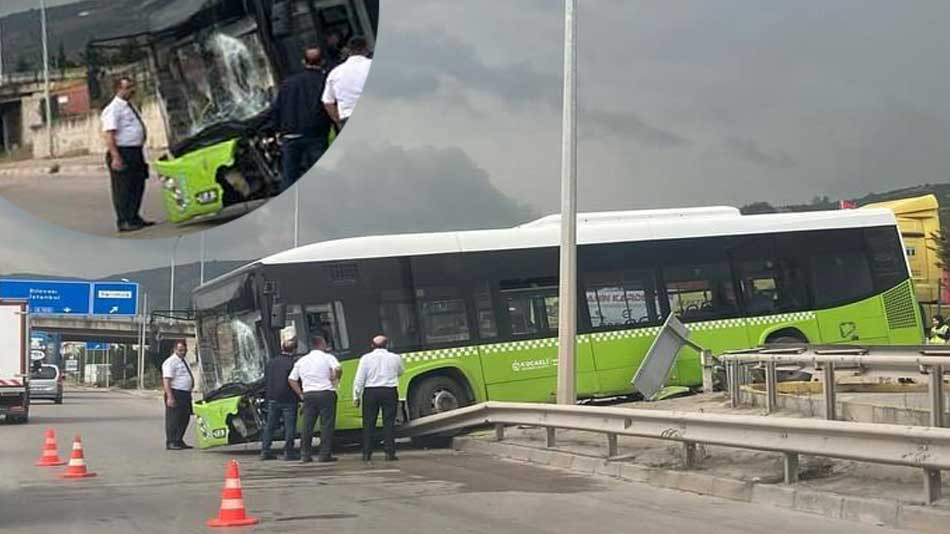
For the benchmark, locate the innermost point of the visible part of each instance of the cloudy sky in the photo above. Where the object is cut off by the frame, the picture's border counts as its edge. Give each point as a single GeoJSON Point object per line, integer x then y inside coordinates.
{"type": "Point", "coordinates": [14, 6]}
{"type": "Point", "coordinates": [681, 104]}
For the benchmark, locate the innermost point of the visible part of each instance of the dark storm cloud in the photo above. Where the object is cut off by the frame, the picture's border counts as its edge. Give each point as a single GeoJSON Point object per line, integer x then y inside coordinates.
{"type": "Point", "coordinates": [415, 64]}
{"type": "Point", "coordinates": [595, 125]}
{"type": "Point", "coordinates": [749, 150]}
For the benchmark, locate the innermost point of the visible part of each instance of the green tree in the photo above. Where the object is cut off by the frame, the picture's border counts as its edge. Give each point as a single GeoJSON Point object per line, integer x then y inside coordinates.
{"type": "Point", "coordinates": [23, 64]}
{"type": "Point", "coordinates": [757, 208]}
{"type": "Point", "coordinates": [61, 60]}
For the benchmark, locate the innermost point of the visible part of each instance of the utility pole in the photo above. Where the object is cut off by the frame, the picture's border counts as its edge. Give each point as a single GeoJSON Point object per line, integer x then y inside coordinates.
{"type": "Point", "coordinates": [49, 107]}
{"type": "Point", "coordinates": [142, 335]}
{"type": "Point", "coordinates": [297, 215]}
{"type": "Point", "coordinates": [201, 264]}
{"type": "Point", "coordinates": [171, 288]}
{"type": "Point", "coordinates": [567, 295]}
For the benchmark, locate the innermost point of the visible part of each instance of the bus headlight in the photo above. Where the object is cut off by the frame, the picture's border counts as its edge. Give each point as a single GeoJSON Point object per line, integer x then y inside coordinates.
{"type": "Point", "coordinates": [207, 197]}
{"type": "Point", "coordinates": [168, 183]}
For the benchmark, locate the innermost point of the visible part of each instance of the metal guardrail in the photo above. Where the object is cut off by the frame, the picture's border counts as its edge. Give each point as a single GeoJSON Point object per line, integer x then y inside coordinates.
{"type": "Point", "coordinates": [925, 359]}
{"type": "Point", "coordinates": [925, 448]}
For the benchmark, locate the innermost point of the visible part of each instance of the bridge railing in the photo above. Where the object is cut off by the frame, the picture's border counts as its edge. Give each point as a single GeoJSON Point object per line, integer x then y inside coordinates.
{"type": "Point", "coordinates": [925, 448]}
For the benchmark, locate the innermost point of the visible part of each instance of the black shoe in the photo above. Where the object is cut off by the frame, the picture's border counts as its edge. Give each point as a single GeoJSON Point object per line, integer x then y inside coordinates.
{"type": "Point", "coordinates": [367, 458]}
{"type": "Point", "coordinates": [391, 458]}
{"type": "Point", "coordinates": [290, 457]}
{"type": "Point", "coordinates": [326, 459]}
{"type": "Point", "coordinates": [174, 447]}
{"type": "Point", "coordinates": [130, 227]}
{"type": "Point", "coordinates": [305, 459]}
{"type": "Point", "coordinates": [184, 445]}
{"type": "Point", "coordinates": [143, 222]}
{"type": "Point", "coordinates": [267, 456]}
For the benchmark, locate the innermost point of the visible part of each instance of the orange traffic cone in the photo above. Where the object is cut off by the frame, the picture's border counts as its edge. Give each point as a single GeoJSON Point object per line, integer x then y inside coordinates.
{"type": "Point", "coordinates": [77, 464]}
{"type": "Point", "coordinates": [50, 451]}
{"type": "Point", "coordinates": [232, 513]}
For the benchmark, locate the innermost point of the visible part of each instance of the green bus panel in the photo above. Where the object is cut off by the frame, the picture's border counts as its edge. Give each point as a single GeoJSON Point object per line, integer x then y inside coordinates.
{"type": "Point", "coordinates": [193, 174]}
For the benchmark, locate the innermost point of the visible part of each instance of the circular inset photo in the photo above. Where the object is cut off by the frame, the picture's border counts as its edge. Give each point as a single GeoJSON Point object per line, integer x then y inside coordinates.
{"type": "Point", "coordinates": [157, 118]}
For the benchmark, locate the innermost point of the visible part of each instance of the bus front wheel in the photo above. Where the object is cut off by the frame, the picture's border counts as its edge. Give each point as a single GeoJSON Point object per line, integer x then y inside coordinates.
{"type": "Point", "coordinates": [436, 394]}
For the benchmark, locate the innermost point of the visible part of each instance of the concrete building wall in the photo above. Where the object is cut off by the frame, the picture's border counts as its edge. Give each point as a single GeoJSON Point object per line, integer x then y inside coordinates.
{"type": "Point", "coordinates": [82, 134]}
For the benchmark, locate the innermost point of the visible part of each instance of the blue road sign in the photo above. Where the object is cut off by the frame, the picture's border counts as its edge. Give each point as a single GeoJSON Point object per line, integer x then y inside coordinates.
{"type": "Point", "coordinates": [96, 345]}
{"type": "Point", "coordinates": [53, 297]}
{"type": "Point", "coordinates": [115, 298]}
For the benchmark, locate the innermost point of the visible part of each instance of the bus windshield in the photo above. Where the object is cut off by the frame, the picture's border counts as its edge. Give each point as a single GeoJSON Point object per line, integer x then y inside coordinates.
{"type": "Point", "coordinates": [231, 345]}
{"type": "Point", "coordinates": [217, 77]}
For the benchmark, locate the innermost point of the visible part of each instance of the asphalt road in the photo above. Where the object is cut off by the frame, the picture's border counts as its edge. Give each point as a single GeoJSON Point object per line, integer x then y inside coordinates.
{"type": "Point", "coordinates": [84, 203]}
{"type": "Point", "coordinates": [143, 488]}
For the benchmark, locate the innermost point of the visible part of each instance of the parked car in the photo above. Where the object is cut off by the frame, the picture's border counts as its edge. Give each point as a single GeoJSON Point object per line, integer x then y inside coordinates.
{"type": "Point", "coordinates": [46, 382]}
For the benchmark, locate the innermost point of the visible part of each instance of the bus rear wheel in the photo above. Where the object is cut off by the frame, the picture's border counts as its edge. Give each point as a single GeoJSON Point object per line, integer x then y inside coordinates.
{"type": "Point", "coordinates": [788, 375]}
{"type": "Point", "coordinates": [433, 395]}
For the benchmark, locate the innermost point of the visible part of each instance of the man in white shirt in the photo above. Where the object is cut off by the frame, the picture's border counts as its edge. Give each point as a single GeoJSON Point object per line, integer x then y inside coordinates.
{"type": "Point", "coordinates": [345, 83]}
{"type": "Point", "coordinates": [314, 379]}
{"type": "Point", "coordinates": [376, 386]}
{"type": "Point", "coordinates": [125, 138]}
{"type": "Point", "coordinates": [178, 382]}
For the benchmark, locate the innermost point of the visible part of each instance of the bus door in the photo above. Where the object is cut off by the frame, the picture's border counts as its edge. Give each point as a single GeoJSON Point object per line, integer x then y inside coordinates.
{"type": "Point", "coordinates": [298, 24]}
{"type": "Point", "coordinates": [624, 311]}
{"type": "Point", "coordinates": [525, 369]}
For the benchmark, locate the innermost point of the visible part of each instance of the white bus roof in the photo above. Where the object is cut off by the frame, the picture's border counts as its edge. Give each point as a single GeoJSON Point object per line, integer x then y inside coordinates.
{"type": "Point", "coordinates": [638, 215]}
{"type": "Point", "coordinates": [629, 228]}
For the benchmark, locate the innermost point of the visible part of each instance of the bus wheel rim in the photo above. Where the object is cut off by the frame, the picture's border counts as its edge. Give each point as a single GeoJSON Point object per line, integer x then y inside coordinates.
{"type": "Point", "coordinates": [444, 400]}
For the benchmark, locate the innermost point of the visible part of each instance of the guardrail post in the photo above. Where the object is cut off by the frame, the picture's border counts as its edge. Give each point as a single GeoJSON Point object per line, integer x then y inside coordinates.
{"type": "Point", "coordinates": [551, 441]}
{"type": "Point", "coordinates": [706, 359]}
{"type": "Point", "coordinates": [791, 467]}
{"type": "Point", "coordinates": [829, 390]}
{"type": "Point", "coordinates": [499, 432]}
{"type": "Point", "coordinates": [611, 445]}
{"type": "Point", "coordinates": [932, 486]}
{"type": "Point", "coordinates": [771, 387]}
{"type": "Point", "coordinates": [936, 396]}
{"type": "Point", "coordinates": [732, 376]}
{"type": "Point", "coordinates": [689, 454]}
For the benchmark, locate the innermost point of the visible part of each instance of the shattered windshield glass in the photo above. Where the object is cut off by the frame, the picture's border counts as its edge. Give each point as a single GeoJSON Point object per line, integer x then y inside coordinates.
{"type": "Point", "coordinates": [217, 77]}
{"type": "Point", "coordinates": [232, 350]}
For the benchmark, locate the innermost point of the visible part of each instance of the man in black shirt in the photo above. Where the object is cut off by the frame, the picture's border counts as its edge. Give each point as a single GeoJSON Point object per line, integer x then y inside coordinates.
{"type": "Point", "coordinates": [301, 118]}
{"type": "Point", "coordinates": [281, 401]}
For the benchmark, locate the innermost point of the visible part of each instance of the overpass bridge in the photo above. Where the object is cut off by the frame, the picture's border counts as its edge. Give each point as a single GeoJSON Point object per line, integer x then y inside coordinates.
{"type": "Point", "coordinates": [111, 329]}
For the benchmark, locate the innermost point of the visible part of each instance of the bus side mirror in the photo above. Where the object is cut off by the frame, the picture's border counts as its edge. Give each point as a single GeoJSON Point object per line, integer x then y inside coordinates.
{"type": "Point", "coordinates": [278, 316]}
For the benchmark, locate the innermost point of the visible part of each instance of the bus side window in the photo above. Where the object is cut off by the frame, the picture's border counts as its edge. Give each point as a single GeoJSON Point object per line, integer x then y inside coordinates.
{"type": "Point", "coordinates": [888, 264]}
{"type": "Point", "coordinates": [700, 292]}
{"type": "Point", "coordinates": [619, 298]}
{"type": "Point", "coordinates": [532, 306]}
{"type": "Point", "coordinates": [329, 322]}
{"type": "Point", "coordinates": [771, 286]}
{"type": "Point", "coordinates": [444, 315]}
{"type": "Point", "coordinates": [397, 316]}
{"type": "Point", "coordinates": [840, 277]}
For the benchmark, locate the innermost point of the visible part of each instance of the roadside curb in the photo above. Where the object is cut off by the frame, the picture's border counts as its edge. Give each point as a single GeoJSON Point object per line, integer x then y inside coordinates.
{"type": "Point", "coordinates": [878, 512]}
{"type": "Point", "coordinates": [45, 170]}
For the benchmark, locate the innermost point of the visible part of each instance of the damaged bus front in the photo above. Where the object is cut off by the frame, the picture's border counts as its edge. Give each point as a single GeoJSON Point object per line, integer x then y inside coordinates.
{"type": "Point", "coordinates": [212, 69]}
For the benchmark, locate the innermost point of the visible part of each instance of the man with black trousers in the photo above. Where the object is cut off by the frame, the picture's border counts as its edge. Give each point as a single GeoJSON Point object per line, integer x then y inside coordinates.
{"type": "Point", "coordinates": [281, 401]}
{"type": "Point", "coordinates": [125, 141]}
{"type": "Point", "coordinates": [315, 378]}
{"type": "Point", "coordinates": [301, 120]}
{"type": "Point", "coordinates": [178, 382]}
{"type": "Point", "coordinates": [376, 387]}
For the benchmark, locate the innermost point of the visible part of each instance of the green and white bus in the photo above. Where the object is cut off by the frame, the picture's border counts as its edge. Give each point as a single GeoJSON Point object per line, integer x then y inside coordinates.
{"type": "Point", "coordinates": [474, 313]}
